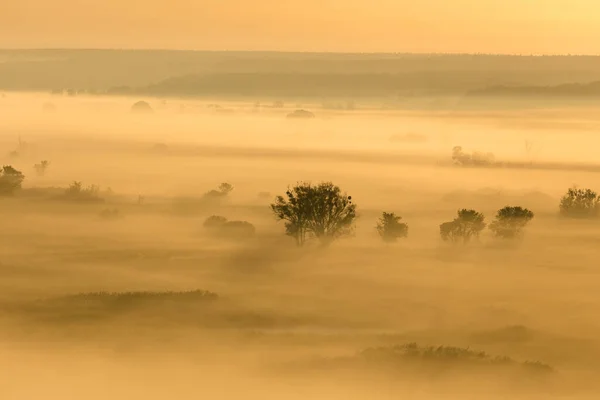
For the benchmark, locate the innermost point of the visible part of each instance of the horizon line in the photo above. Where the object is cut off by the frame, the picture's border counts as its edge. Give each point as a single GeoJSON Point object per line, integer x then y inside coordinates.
{"type": "Point", "coordinates": [397, 53]}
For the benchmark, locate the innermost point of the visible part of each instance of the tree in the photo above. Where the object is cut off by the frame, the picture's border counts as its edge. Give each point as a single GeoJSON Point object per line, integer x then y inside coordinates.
{"type": "Point", "coordinates": [468, 224]}
{"type": "Point", "coordinates": [510, 221]}
{"type": "Point", "coordinates": [321, 211]}
{"type": "Point", "coordinates": [220, 226]}
{"type": "Point", "coordinates": [580, 203]}
{"type": "Point", "coordinates": [223, 190]}
{"type": "Point", "coordinates": [41, 168]}
{"type": "Point", "coordinates": [10, 180]}
{"type": "Point", "coordinates": [390, 228]}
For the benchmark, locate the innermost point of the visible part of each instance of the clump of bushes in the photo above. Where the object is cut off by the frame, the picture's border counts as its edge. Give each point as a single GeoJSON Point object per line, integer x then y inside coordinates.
{"type": "Point", "coordinates": [448, 355]}
{"type": "Point", "coordinates": [466, 226]}
{"type": "Point", "coordinates": [321, 211]}
{"type": "Point", "coordinates": [77, 192]}
{"type": "Point", "coordinates": [580, 203]}
{"type": "Point", "coordinates": [106, 304]}
{"type": "Point", "coordinates": [475, 159]}
{"type": "Point", "coordinates": [220, 226]}
{"type": "Point", "coordinates": [390, 228]}
{"type": "Point", "coordinates": [222, 191]}
{"type": "Point", "coordinates": [215, 221]}
{"type": "Point", "coordinates": [10, 180]}
{"type": "Point", "coordinates": [510, 221]}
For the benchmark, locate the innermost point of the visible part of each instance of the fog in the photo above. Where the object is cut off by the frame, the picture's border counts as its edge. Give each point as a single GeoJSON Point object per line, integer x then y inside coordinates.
{"type": "Point", "coordinates": [279, 321]}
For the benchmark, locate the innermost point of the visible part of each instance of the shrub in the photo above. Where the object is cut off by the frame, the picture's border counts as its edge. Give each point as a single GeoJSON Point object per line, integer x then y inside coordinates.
{"type": "Point", "coordinates": [219, 226]}
{"type": "Point", "coordinates": [321, 211]}
{"type": "Point", "coordinates": [41, 168]}
{"type": "Point", "coordinates": [510, 221]}
{"type": "Point", "coordinates": [222, 191]}
{"type": "Point", "coordinates": [10, 180]}
{"type": "Point", "coordinates": [390, 228]}
{"type": "Point", "coordinates": [424, 356]}
{"type": "Point", "coordinates": [468, 224]}
{"type": "Point", "coordinates": [214, 221]}
{"type": "Point", "coordinates": [477, 159]}
{"type": "Point", "coordinates": [238, 229]}
{"type": "Point", "coordinates": [580, 203]}
{"type": "Point", "coordinates": [76, 192]}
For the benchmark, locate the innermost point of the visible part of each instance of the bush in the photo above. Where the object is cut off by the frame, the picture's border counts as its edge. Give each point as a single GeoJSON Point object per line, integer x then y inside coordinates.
{"type": "Point", "coordinates": [214, 221]}
{"type": "Point", "coordinates": [219, 226]}
{"type": "Point", "coordinates": [510, 221]}
{"type": "Point", "coordinates": [238, 229]}
{"type": "Point", "coordinates": [76, 192]}
{"type": "Point", "coordinates": [390, 228]}
{"type": "Point", "coordinates": [319, 211]}
{"type": "Point", "coordinates": [580, 203]}
{"type": "Point", "coordinates": [10, 180]}
{"type": "Point", "coordinates": [444, 355]}
{"type": "Point", "coordinates": [222, 191]}
{"type": "Point", "coordinates": [468, 224]}
{"type": "Point", "coordinates": [476, 159]}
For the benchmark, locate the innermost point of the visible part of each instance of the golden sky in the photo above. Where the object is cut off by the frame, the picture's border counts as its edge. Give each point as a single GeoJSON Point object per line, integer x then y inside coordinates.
{"type": "Point", "coordinates": [488, 26]}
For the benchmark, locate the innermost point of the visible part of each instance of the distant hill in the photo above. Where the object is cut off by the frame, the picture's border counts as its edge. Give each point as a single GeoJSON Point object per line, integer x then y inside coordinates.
{"type": "Point", "coordinates": [197, 73]}
{"type": "Point", "coordinates": [579, 90]}
{"type": "Point", "coordinates": [353, 85]}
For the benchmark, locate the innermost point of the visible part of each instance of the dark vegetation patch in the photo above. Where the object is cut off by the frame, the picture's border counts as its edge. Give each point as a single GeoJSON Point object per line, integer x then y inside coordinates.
{"type": "Point", "coordinates": [219, 226]}
{"type": "Point", "coordinates": [104, 310]}
{"type": "Point", "coordinates": [105, 305]}
{"type": "Point", "coordinates": [432, 361]}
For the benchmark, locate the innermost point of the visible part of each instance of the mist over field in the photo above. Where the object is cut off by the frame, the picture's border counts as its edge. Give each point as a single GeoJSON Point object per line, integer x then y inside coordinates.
{"type": "Point", "coordinates": [114, 286]}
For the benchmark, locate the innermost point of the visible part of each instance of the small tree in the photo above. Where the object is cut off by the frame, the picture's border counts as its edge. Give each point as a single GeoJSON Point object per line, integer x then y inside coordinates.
{"type": "Point", "coordinates": [390, 228]}
{"type": "Point", "coordinates": [41, 168]}
{"type": "Point", "coordinates": [321, 211]}
{"type": "Point", "coordinates": [222, 191]}
{"type": "Point", "coordinates": [10, 180]}
{"type": "Point", "coordinates": [468, 224]}
{"type": "Point", "coordinates": [510, 221]}
{"type": "Point", "coordinates": [580, 203]}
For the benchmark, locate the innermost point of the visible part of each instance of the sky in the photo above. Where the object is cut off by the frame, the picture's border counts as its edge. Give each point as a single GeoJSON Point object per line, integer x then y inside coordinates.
{"type": "Point", "coordinates": [419, 26]}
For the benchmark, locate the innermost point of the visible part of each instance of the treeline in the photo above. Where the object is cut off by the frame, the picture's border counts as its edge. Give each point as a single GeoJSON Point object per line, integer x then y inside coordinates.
{"type": "Point", "coordinates": [591, 89]}
{"type": "Point", "coordinates": [323, 212]}
{"type": "Point", "coordinates": [96, 71]}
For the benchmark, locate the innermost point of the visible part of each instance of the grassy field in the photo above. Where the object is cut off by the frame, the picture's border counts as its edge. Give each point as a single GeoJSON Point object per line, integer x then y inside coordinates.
{"type": "Point", "coordinates": [96, 308]}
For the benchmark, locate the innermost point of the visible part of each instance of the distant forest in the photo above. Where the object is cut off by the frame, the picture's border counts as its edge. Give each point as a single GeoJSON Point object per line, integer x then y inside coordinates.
{"type": "Point", "coordinates": [293, 75]}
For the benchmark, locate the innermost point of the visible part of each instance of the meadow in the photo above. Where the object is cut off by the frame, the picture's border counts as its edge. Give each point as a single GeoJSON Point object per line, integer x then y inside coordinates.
{"type": "Point", "coordinates": [94, 307]}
